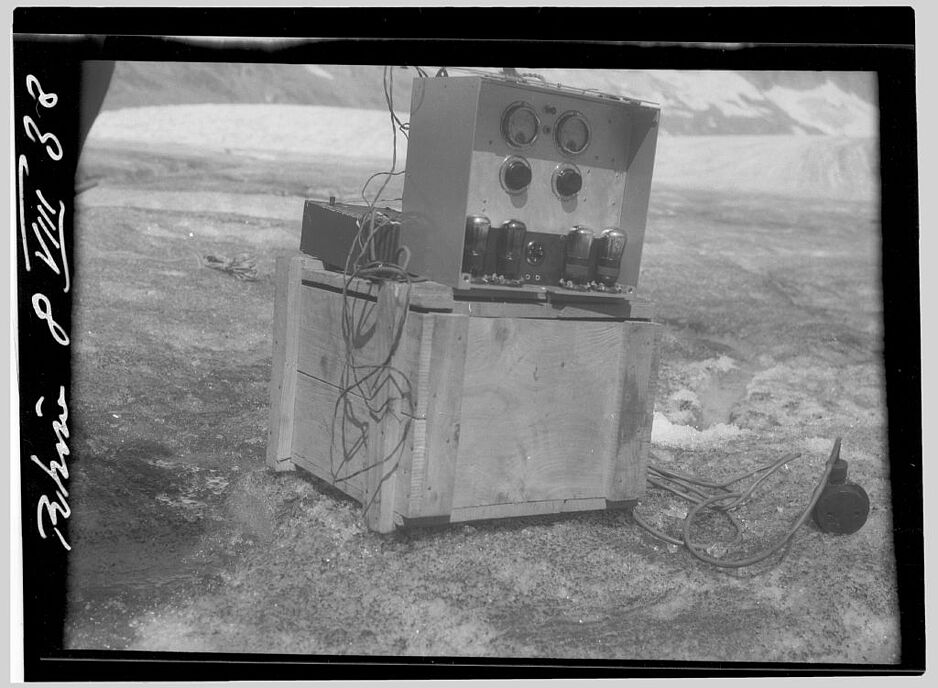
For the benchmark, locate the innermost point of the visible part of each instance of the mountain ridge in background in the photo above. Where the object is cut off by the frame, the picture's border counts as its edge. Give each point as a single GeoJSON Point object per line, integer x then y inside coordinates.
{"type": "Point", "coordinates": [693, 102]}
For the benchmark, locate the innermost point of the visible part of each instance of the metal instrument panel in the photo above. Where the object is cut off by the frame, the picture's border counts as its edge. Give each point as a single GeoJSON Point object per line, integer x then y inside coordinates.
{"type": "Point", "coordinates": [602, 164]}
{"type": "Point", "coordinates": [439, 152]}
{"type": "Point", "coordinates": [457, 149]}
{"type": "Point", "coordinates": [329, 230]}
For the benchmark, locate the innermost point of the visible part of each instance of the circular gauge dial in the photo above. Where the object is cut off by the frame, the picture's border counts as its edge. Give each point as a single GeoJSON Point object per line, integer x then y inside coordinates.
{"type": "Point", "coordinates": [520, 125]}
{"type": "Point", "coordinates": [573, 133]}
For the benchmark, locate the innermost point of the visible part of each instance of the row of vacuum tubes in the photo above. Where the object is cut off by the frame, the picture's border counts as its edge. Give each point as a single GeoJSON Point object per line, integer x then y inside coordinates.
{"type": "Point", "coordinates": [586, 256]}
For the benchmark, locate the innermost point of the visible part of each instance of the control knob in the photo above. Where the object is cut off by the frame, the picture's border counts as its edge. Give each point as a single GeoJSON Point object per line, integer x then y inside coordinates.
{"type": "Point", "coordinates": [516, 175]}
{"type": "Point", "coordinates": [568, 182]}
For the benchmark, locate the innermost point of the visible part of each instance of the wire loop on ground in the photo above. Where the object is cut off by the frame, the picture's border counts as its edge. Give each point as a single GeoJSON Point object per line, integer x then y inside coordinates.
{"type": "Point", "coordinates": [692, 490]}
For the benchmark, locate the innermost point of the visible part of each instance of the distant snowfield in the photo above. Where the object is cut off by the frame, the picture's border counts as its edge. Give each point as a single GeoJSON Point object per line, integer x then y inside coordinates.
{"type": "Point", "coordinates": [273, 128]}
{"type": "Point", "coordinates": [840, 168]}
{"type": "Point", "coordinates": [690, 93]}
{"type": "Point", "coordinates": [845, 168]}
{"type": "Point", "coordinates": [828, 108]}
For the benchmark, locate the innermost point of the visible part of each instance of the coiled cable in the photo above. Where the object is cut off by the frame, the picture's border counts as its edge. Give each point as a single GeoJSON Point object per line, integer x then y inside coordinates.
{"type": "Point", "coordinates": [691, 490]}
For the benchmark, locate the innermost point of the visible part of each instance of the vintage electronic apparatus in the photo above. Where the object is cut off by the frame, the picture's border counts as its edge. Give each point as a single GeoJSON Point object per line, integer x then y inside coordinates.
{"type": "Point", "coordinates": [329, 229]}
{"type": "Point", "coordinates": [512, 183]}
{"type": "Point", "coordinates": [521, 183]}
{"type": "Point", "coordinates": [517, 377]}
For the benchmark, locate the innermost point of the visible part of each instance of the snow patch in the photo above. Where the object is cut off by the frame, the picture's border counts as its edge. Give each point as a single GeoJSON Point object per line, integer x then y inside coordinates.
{"type": "Point", "coordinates": [683, 406]}
{"type": "Point", "coordinates": [728, 92]}
{"type": "Point", "coordinates": [709, 366]}
{"type": "Point", "coordinates": [816, 445]}
{"type": "Point", "coordinates": [723, 363]}
{"type": "Point", "coordinates": [686, 397]}
{"type": "Point", "coordinates": [828, 108]}
{"type": "Point", "coordinates": [314, 130]}
{"type": "Point", "coordinates": [698, 94]}
{"type": "Point", "coordinates": [667, 434]}
{"type": "Point", "coordinates": [829, 167]}
{"type": "Point", "coordinates": [172, 632]}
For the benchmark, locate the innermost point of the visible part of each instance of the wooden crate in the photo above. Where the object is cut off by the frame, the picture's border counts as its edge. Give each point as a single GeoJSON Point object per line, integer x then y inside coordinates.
{"type": "Point", "coordinates": [485, 409]}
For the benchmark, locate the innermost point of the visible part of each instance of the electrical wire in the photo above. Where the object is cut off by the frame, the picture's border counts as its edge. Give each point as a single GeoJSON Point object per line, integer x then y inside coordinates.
{"type": "Point", "coordinates": [372, 381]}
{"type": "Point", "coordinates": [360, 246]}
{"type": "Point", "coordinates": [389, 99]}
{"type": "Point", "coordinates": [377, 385]}
{"type": "Point", "coordinates": [700, 501]}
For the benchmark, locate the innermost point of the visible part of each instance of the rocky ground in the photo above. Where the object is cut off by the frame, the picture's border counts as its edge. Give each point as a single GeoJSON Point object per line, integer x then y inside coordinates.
{"type": "Point", "coordinates": [182, 540]}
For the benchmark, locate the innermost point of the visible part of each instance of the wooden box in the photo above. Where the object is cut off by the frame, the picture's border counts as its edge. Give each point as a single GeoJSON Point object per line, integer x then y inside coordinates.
{"type": "Point", "coordinates": [465, 409]}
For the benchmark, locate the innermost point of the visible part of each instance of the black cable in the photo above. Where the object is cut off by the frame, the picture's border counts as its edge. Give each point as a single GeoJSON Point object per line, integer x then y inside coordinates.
{"type": "Point", "coordinates": [694, 500]}
{"type": "Point", "coordinates": [688, 482]}
{"type": "Point", "coordinates": [389, 99]}
{"type": "Point", "coordinates": [369, 380]}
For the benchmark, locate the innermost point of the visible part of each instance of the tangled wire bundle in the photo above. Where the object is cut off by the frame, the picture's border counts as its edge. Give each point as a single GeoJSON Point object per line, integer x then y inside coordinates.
{"type": "Point", "coordinates": [717, 496]}
{"type": "Point", "coordinates": [242, 266]}
{"type": "Point", "coordinates": [383, 390]}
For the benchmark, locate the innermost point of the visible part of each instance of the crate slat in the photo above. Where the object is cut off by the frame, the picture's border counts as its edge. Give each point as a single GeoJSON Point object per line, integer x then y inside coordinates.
{"type": "Point", "coordinates": [443, 394]}
{"type": "Point", "coordinates": [474, 416]}
{"type": "Point", "coordinates": [537, 397]}
{"type": "Point", "coordinates": [284, 364]}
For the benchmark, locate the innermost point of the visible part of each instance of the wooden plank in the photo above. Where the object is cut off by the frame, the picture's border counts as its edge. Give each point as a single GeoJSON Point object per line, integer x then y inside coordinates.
{"type": "Point", "coordinates": [283, 368]}
{"type": "Point", "coordinates": [314, 467]}
{"type": "Point", "coordinates": [482, 292]}
{"type": "Point", "coordinates": [552, 506]}
{"type": "Point", "coordinates": [637, 372]}
{"type": "Point", "coordinates": [551, 302]}
{"type": "Point", "coordinates": [581, 310]}
{"type": "Point", "coordinates": [436, 440]}
{"type": "Point", "coordinates": [322, 351]}
{"type": "Point", "coordinates": [390, 429]}
{"type": "Point", "coordinates": [480, 417]}
{"type": "Point", "coordinates": [531, 293]}
{"type": "Point", "coordinates": [536, 396]}
{"type": "Point", "coordinates": [418, 461]}
{"type": "Point", "coordinates": [632, 309]}
{"type": "Point", "coordinates": [517, 301]}
{"type": "Point", "coordinates": [425, 295]}
{"type": "Point", "coordinates": [642, 309]}
{"type": "Point", "coordinates": [332, 435]}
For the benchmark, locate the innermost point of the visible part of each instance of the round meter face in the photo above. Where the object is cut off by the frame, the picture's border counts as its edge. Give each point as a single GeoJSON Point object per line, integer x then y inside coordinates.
{"type": "Point", "coordinates": [573, 133]}
{"type": "Point", "coordinates": [520, 125]}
